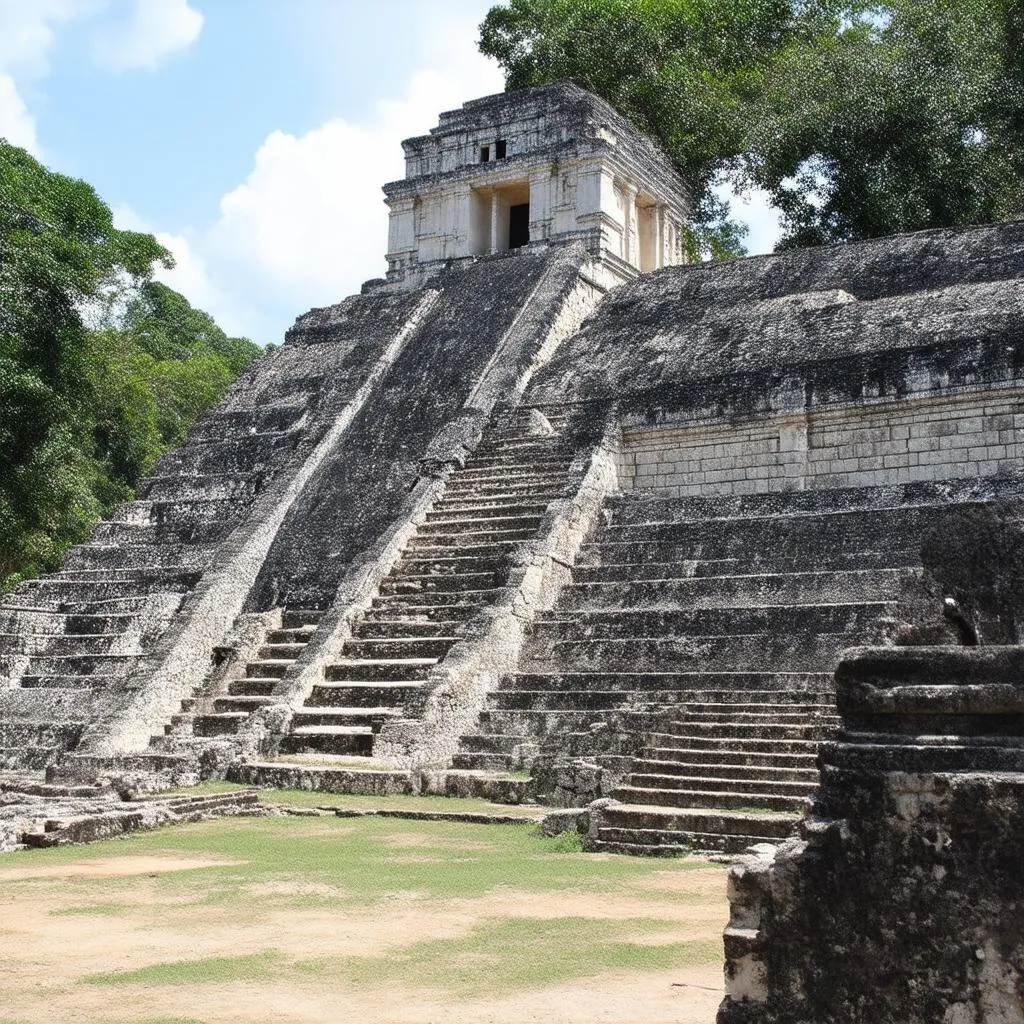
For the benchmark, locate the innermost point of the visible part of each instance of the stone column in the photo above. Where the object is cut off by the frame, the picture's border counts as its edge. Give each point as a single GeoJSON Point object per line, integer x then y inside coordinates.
{"type": "Point", "coordinates": [495, 220]}
{"type": "Point", "coordinates": [629, 243]}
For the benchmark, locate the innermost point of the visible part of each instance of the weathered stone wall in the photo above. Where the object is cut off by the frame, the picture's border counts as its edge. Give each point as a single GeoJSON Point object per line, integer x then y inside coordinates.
{"type": "Point", "coordinates": [970, 433]}
{"type": "Point", "coordinates": [918, 314]}
{"type": "Point", "coordinates": [473, 345]}
{"type": "Point", "coordinates": [903, 898]}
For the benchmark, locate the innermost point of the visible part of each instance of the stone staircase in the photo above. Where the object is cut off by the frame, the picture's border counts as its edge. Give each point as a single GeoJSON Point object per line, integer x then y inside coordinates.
{"type": "Point", "coordinates": [69, 634]}
{"type": "Point", "coordinates": [219, 715]}
{"type": "Point", "coordinates": [455, 566]}
{"type": "Point", "coordinates": [691, 657]}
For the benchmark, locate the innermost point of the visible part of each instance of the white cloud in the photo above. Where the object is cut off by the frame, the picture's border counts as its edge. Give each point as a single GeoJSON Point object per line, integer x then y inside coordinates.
{"type": "Point", "coordinates": [151, 31]}
{"type": "Point", "coordinates": [16, 123]}
{"type": "Point", "coordinates": [309, 224]}
{"type": "Point", "coordinates": [25, 41]}
{"type": "Point", "coordinates": [28, 30]}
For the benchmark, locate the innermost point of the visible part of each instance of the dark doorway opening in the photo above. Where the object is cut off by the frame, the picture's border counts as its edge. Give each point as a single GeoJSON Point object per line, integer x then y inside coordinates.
{"type": "Point", "coordinates": [518, 225]}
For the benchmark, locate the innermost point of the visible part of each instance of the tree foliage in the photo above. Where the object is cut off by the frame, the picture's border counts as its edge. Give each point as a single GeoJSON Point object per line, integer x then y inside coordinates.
{"type": "Point", "coordinates": [84, 413]}
{"type": "Point", "coordinates": [859, 119]}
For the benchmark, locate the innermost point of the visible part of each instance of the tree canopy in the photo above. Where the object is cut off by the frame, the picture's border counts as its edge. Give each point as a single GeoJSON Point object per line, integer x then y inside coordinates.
{"type": "Point", "coordinates": [859, 119]}
{"type": "Point", "coordinates": [84, 412]}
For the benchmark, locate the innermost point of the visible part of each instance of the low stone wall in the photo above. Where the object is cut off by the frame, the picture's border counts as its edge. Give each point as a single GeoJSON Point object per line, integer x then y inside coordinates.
{"type": "Point", "coordinates": [903, 898]}
{"type": "Point", "coordinates": [923, 438]}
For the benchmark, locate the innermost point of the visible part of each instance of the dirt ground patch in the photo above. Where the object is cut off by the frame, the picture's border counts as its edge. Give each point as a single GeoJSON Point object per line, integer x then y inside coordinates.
{"type": "Point", "coordinates": [140, 936]}
{"type": "Point", "coordinates": [111, 867]}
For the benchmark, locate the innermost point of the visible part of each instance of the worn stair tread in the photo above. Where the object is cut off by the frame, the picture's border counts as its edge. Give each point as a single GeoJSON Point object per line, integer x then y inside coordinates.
{"type": "Point", "coordinates": [332, 730]}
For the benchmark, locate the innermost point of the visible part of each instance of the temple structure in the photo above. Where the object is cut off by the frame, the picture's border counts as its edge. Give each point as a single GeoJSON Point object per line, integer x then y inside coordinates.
{"type": "Point", "coordinates": [548, 514]}
{"type": "Point", "coordinates": [534, 167]}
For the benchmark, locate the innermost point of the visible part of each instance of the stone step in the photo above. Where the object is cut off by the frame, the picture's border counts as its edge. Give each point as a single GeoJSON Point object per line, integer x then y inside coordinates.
{"type": "Point", "coordinates": [808, 652]}
{"type": "Point", "coordinates": [691, 743]}
{"type": "Point", "coordinates": [135, 532]}
{"type": "Point", "coordinates": [217, 724]}
{"type": "Point", "coordinates": [280, 652]}
{"type": "Point", "coordinates": [539, 460]}
{"type": "Point", "coordinates": [230, 423]}
{"type": "Point", "coordinates": [399, 648]}
{"type": "Point", "coordinates": [452, 535]}
{"type": "Point", "coordinates": [721, 759]}
{"type": "Point", "coordinates": [354, 740]}
{"type": "Point", "coordinates": [124, 556]}
{"type": "Point", "coordinates": [25, 642]}
{"type": "Point", "coordinates": [546, 472]}
{"type": "Point", "coordinates": [491, 485]}
{"type": "Point", "coordinates": [192, 510]}
{"type": "Point", "coordinates": [537, 724]}
{"type": "Point", "coordinates": [480, 761]}
{"type": "Point", "coordinates": [298, 618]}
{"type": "Point", "coordinates": [370, 670]}
{"type": "Point", "coordinates": [707, 821]}
{"type": "Point", "coordinates": [734, 783]}
{"type": "Point", "coordinates": [252, 687]}
{"type": "Point", "coordinates": [487, 512]}
{"type": "Point", "coordinates": [417, 581]}
{"type": "Point", "coordinates": [771, 563]}
{"type": "Point", "coordinates": [324, 717]}
{"type": "Point", "coordinates": [497, 496]}
{"type": "Point", "coordinates": [83, 625]}
{"type": "Point", "coordinates": [491, 743]}
{"type": "Point", "coordinates": [797, 728]}
{"type": "Point", "coordinates": [437, 600]}
{"type": "Point", "coordinates": [703, 798]}
{"type": "Point", "coordinates": [389, 693]}
{"type": "Point", "coordinates": [82, 664]}
{"type": "Point", "coordinates": [171, 486]}
{"type": "Point", "coordinates": [568, 700]}
{"type": "Point", "coordinates": [622, 623]}
{"type": "Point", "coordinates": [28, 758]}
{"type": "Point", "coordinates": [469, 555]}
{"type": "Point", "coordinates": [247, 703]}
{"type": "Point", "coordinates": [300, 635]}
{"type": "Point", "coordinates": [268, 668]}
{"type": "Point", "coordinates": [62, 735]}
{"type": "Point", "coordinates": [450, 616]}
{"type": "Point", "coordinates": [633, 507]}
{"type": "Point", "coordinates": [848, 585]}
{"type": "Point", "coordinates": [408, 629]}
{"type": "Point", "coordinates": [661, 843]}
{"type": "Point", "coordinates": [745, 532]}
{"type": "Point", "coordinates": [820, 714]}
{"type": "Point", "coordinates": [720, 769]}
{"type": "Point", "coordinates": [720, 686]}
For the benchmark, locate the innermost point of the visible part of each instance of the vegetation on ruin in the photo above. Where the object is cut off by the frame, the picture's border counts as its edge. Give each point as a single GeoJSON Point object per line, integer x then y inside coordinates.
{"type": "Point", "coordinates": [102, 369]}
{"type": "Point", "coordinates": [860, 119]}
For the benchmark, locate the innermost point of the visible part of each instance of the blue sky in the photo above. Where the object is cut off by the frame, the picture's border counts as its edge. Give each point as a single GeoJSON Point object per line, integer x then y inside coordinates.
{"type": "Point", "coordinates": [252, 136]}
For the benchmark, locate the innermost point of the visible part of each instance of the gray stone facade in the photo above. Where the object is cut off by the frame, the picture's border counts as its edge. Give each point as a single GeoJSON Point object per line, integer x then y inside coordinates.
{"type": "Point", "coordinates": [500, 516]}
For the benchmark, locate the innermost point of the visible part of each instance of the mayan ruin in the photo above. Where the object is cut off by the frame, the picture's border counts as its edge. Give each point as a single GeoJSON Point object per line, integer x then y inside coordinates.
{"type": "Point", "coordinates": [549, 515]}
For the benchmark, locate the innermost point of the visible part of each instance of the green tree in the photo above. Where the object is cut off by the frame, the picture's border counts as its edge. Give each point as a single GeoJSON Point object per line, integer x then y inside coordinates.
{"type": "Point", "coordinates": [683, 71]}
{"type": "Point", "coordinates": [84, 413]}
{"type": "Point", "coordinates": [895, 117]}
{"type": "Point", "coordinates": [859, 119]}
{"type": "Point", "coordinates": [59, 250]}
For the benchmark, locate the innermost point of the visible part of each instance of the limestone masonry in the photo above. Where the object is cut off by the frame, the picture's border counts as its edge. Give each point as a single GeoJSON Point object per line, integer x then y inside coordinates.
{"type": "Point", "coordinates": [548, 514]}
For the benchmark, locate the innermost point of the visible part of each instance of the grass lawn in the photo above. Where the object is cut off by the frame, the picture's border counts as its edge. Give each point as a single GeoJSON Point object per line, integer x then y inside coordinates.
{"type": "Point", "coordinates": [375, 920]}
